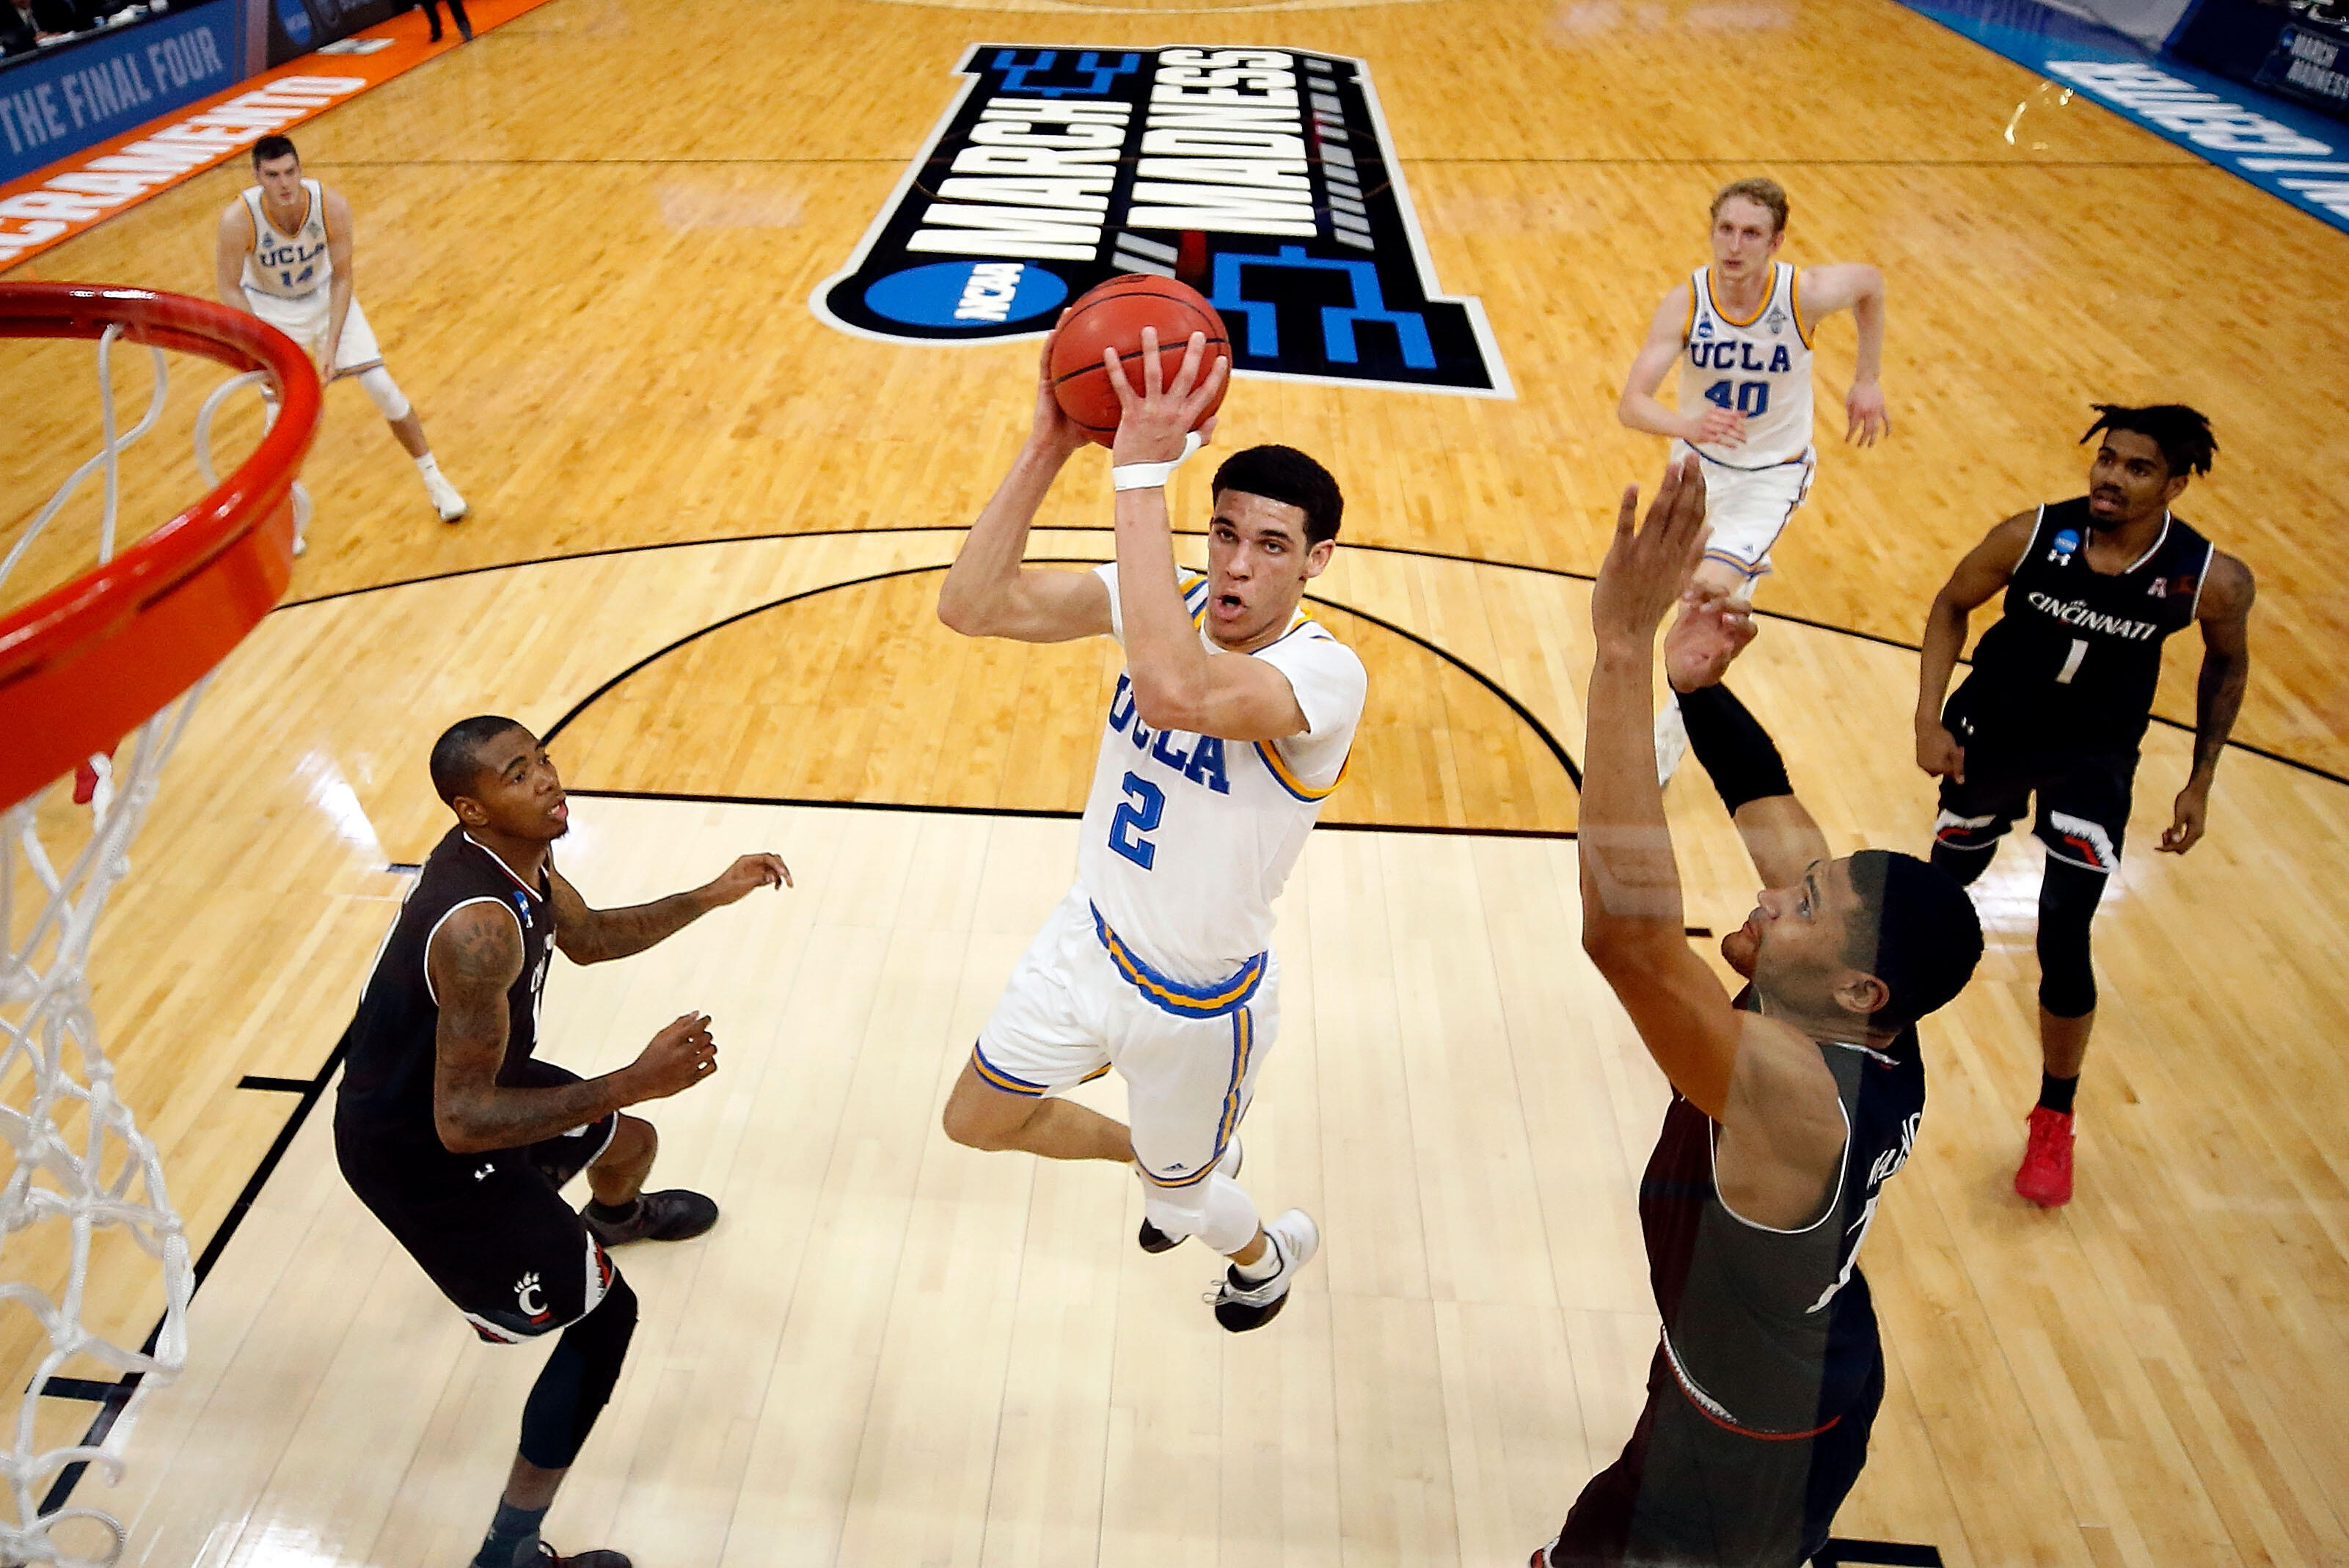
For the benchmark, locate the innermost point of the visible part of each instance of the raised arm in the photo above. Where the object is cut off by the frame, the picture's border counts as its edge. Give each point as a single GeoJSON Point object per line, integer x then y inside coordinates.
{"type": "Point", "coordinates": [595, 935]}
{"type": "Point", "coordinates": [340, 251]}
{"type": "Point", "coordinates": [1780, 835]}
{"type": "Point", "coordinates": [1781, 1129]}
{"type": "Point", "coordinates": [473, 960]}
{"type": "Point", "coordinates": [231, 244]}
{"type": "Point", "coordinates": [987, 593]}
{"type": "Point", "coordinates": [1638, 407]}
{"type": "Point", "coordinates": [1178, 682]}
{"type": "Point", "coordinates": [1857, 288]}
{"type": "Point", "coordinates": [1633, 925]}
{"type": "Point", "coordinates": [2225, 615]}
{"type": "Point", "coordinates": [1983, 573]}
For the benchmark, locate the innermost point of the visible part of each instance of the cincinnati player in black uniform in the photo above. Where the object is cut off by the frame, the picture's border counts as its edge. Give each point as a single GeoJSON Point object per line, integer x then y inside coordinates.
{"type": "Point", "coordinates": [458, 1140]}
{"type": "Point", "coordinates": [2060, 690]}
{"type": "Point", "coordinates": [1791, 1104]}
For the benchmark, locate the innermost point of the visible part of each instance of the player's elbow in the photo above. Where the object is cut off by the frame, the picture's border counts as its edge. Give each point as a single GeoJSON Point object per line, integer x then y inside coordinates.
{"type": "Point", "coordinates": [1167, 702]}
{"type": "Point", "coordinates": [458, 1135]}
{"type": "Point", "coordinates": [962, 610]}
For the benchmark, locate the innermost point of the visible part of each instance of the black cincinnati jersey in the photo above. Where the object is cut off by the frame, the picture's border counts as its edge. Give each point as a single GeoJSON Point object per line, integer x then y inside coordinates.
{"type": "Point", "coordinates": [1769, 1372]}
{"type": "Point", "coordinates": [2072, 660]}
{"type": "Point", "coordinates": [393, 1040]}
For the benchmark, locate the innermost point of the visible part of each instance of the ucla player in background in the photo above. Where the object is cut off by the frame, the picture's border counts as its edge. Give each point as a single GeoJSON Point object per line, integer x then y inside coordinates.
{"type": "Point", "coordinates": [285, 255]}
{"type": "Point", "coordinates": [1742, 329]}
{"type": "Point", "coordinates": [1229, 726]}
{"type": "Point", "coordinates": [1792, 1103]}
{"type": "Point", "coordinates": [2060, 692]}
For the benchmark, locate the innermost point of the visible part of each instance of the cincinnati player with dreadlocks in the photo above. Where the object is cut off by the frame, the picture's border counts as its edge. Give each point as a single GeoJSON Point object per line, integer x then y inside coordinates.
{"type": "Point", "coordinates": [2060, 694]}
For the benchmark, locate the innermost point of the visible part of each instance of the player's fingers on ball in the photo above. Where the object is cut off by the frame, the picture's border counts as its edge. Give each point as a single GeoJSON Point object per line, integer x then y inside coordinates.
{"type": "Point", "coordinates": [1627, 512]}
{"type": "Point", "coordinates": [1154, 375]}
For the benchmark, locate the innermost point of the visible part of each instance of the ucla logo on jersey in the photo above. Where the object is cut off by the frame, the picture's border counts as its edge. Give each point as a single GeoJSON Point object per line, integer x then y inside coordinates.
{"type": "Point", "coordinates": [2064, 546]}
{"type": "Point", "coordinates": [1201, 762]}
{"type": "Point", "coordinates": [1734, 353]}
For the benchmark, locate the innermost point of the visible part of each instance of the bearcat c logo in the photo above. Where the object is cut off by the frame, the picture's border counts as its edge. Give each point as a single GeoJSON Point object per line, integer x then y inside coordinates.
{"type": "Point", "coordinates": [1264, 178]}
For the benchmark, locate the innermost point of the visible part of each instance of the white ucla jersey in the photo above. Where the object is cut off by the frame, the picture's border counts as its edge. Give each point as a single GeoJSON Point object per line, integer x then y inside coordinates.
{"type": "Point", "coordinates": [291, 266]}
{"type": "Point", "coordinates": [1760, 366]}
{"type": "Point", "coordinates": [1188, 838]}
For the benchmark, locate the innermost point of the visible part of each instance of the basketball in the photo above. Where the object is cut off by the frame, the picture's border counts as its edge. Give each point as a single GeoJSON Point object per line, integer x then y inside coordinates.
{"type": "Point", "coordinates": [1112, 315]}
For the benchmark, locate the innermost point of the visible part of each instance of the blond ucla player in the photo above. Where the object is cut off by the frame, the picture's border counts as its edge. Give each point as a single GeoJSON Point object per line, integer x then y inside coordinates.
{"type": "Point", "coordinates": [1230, 726]}
{"type": "Point", "coordinates": [1742, 330]}
{"type": "Point", "coordinates": [285, 255]}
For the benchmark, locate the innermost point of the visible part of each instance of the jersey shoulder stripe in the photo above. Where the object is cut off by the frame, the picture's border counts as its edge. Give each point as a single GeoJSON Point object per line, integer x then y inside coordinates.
{"type": "Point", "coordinates": [1795, 304]}
{"type": "Point", "coordinates": [1289, 780]}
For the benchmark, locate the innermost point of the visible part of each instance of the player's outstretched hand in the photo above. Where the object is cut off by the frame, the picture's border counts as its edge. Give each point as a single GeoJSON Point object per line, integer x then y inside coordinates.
{"type": "Point", "coordinates": [1939, 753]}
{"type": "Point", "coordinates": [1647, 569]}
{"type": "Point", "coordinates": [1867, 420]}
{"type": "Point", "coordinates": [1053, 431]}
{"type": "Point", "coordinates": [678, 1057]}
{"type": "Point", "coordinates": [1711, 630]}
{"type": "Point", "coordinates": [1154, 417]}
{"type": "Point", "coordinates": [2188, 819]}
{"type": "Point", "coordinates": [747, 873]}
{"type": "Point", "coordinates": [1720, 427]}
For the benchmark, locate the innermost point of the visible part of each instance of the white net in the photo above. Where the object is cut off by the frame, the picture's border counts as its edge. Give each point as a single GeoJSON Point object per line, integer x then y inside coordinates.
{"type": "Point", "coordinates": [81, 1170]}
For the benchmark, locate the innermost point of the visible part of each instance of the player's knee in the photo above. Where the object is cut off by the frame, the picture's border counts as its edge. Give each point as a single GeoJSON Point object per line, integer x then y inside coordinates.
{"type": "Point", "coordinates": [2068, 904]}
{"type": "Point", "coordinates": [1179, 1212]}
{"type": "Point", "coordinates": [635, 1142]}
{"type": "Point", "coordinates": [578, 1381]}
{"type": "Point", "coordinates": [384, 392]}
{"type": "Point", "coordinates": [1965, 864]}
{"type": "Point", "coordinates": [987, 1120]}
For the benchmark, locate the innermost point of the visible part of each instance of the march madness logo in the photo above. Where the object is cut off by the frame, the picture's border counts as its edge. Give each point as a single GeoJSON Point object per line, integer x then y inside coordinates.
{"type": "Point", "coordinates": [1262, 177]}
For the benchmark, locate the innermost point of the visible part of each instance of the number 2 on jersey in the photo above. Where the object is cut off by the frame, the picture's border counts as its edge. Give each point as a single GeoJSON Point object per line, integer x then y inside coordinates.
{"type": "Point", "coordinates": [1145, 804]}
{"type": "Point", "coordinates": [1751, 398]}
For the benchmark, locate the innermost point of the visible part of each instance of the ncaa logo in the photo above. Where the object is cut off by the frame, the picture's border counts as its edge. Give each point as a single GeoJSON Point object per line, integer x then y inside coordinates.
{"type": "Point", "coordinates": [965, 293]}
{"type": "Point", "coordinates": [2060, 549]}
{"type": "Point", "coordinates": [1264, 178]}
{"type": "Point", "coordinates": [1704, 327]}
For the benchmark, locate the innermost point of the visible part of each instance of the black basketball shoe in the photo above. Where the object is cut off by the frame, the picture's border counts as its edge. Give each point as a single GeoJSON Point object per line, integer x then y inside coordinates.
{"type": "Point", "coordinates": [676, 1215]}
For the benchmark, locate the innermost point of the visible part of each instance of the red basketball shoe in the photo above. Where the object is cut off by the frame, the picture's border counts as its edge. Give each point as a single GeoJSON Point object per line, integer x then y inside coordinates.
{"type": "Point", "coordinates": [2045, 1176]}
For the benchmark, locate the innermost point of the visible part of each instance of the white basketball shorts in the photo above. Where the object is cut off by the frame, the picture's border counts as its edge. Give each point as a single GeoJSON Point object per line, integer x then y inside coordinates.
{"type": "Point", "coordinates": [1748, 509]}
{"type": "Point", "coordinates": [1080, 1003]}
{"type": "Point", "coordinates": [305, 320]}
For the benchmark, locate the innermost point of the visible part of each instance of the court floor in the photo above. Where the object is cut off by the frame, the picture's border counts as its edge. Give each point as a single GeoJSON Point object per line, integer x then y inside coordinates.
{"type": "Point", "coordinates": [708, 530]}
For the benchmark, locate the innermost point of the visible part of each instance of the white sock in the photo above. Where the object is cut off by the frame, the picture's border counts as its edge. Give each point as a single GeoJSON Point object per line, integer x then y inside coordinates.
{"type": "Point", "coordinates": [1263, 1268]}
{"type": "Point", "coordinates": [427, 466]}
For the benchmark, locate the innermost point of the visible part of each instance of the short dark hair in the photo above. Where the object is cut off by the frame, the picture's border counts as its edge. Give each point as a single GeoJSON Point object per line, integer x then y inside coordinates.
{"type": "Point", "coordinates": [456, 756]}
{"type": "Point", "coordinates": [1764, 193]}
{"type": "Point", "coordinates": [1917, 932]}
{"type": "Point", "coordinates": [1287, 475]}
{"type": "Point", "coordinates": [270, 147]}
{"type": "Point", "coordinates": [2183, 434]}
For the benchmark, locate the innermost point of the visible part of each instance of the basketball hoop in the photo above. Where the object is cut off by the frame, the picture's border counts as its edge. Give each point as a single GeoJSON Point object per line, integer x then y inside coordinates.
{"type": "Point", "coordinates": [109, 665]}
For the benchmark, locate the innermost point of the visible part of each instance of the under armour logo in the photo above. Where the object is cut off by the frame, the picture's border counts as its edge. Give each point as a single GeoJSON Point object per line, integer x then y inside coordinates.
{"type": "Point", "coordinates": [486, 1172]}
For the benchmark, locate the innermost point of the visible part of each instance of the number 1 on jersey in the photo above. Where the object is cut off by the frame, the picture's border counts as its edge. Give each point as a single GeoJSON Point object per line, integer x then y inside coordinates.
{"type": "Point", "coordinates": [2071, 664]}
{"type": "Point", "coordinates": [1145, 804]}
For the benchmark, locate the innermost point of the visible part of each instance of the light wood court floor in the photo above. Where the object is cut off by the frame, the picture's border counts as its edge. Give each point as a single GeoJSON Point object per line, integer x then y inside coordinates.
{"type": "Point", "coordinates": [586, 241]}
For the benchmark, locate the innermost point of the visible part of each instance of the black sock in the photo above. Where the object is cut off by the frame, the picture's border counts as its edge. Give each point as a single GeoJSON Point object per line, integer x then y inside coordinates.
{"type": "Point", "coordinates": [510, 1532]}
{"type": "Point", "coordinates": [614, 1214]}
{"type": "Point", "coordinates": [2056, 1093]}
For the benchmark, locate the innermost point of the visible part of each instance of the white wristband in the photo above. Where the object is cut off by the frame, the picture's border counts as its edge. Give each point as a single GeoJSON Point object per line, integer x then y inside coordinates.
{"type": "Point", "coordinates": [1151, 476]}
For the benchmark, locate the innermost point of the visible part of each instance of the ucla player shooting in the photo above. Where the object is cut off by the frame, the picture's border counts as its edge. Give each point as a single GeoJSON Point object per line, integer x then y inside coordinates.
{"type": "Point", "coordinates": [1230, 726]}
{"type": "Point", "coordinates": [1742, 330]}
{"type": "Point", "coordinates": [285, 253]}
{"type": "Point", "coordinates": [2060, 694]}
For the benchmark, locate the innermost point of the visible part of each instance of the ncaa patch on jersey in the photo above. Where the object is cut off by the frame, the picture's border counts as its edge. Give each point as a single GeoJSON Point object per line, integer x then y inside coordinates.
{"type": "Point", "coordinates": [1264, 178]}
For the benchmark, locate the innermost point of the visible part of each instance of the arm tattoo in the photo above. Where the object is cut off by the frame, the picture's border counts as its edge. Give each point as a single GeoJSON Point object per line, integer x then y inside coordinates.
{"type": "Point", "coordinates": [473, 961]}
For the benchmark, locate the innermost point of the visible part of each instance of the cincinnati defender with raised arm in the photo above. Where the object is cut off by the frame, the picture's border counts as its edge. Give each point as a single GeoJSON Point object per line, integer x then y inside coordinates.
{"type": "Point", "coordinates": [1792, 1104]}
{"type": "Point", "coordinates": [1230, 726]}
{"type": "Point", "coordinates": [458, 1139]}
{"type": "Point", "coordinates": [2059, 698]}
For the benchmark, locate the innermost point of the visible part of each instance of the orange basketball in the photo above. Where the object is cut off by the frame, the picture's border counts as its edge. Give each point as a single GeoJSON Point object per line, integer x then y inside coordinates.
{"type": "Point", "coordinates": [1112, 315]}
